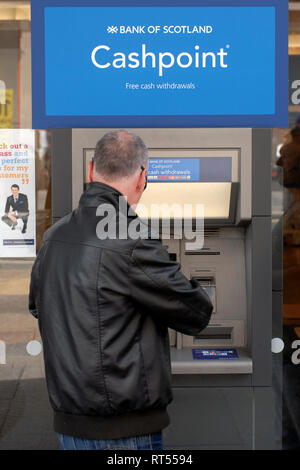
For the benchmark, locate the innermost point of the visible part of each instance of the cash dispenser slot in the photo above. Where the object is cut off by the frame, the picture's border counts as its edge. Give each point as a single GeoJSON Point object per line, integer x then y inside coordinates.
{"type": "Point", "coordinates": [215, 332]}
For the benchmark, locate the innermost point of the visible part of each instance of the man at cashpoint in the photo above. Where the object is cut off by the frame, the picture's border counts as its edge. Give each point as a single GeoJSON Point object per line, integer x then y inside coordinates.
{"type": "Point", "coordinates": [104, 306]}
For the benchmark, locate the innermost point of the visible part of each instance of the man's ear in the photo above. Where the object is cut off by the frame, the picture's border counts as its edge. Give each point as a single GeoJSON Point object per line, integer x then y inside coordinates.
{"type": "Point", "coordinates": [140, 182]}
{"type": "Point", "coordinates": [91, 172]}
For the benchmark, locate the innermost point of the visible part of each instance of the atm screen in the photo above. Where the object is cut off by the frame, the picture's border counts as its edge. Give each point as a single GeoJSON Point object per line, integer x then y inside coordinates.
{"type": "Point", "coordinates": [184, 180]}
{"type": "Point", "coordinates": [186, 177]}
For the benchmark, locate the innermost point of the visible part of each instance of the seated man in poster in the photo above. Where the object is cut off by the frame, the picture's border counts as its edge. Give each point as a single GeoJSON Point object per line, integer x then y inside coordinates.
{"type": "Point", "coordinates": [16, 208]}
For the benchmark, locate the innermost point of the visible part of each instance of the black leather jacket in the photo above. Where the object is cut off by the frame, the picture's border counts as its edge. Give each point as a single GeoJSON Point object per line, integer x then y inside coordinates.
{"type": "Point", "coordinates": [104, 308]}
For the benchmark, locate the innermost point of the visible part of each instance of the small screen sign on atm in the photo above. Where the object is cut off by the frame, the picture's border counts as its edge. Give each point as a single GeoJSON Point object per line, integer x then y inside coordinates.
{"type": "Point", "coordinates": [215, 354]}
{"type": "Point", "coordinates": [189, 170]}
{"type": "Point", "coordinates": [173, 170]}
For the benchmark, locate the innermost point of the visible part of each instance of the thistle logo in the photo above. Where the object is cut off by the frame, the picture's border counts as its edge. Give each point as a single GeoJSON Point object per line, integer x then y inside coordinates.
{"type": "Point", "coordinates": [112, 29]}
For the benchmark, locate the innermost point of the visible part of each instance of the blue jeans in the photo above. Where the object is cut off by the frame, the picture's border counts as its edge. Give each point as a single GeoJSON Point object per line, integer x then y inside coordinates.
{"type": "Point", "coordinates": [147, 442]}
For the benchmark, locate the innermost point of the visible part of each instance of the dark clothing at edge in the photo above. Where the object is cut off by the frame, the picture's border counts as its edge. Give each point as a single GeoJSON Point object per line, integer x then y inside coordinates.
{"type": "Point", "coordinates": [104, 308]}
{"type": "Point", "coordinates": [290, 161]}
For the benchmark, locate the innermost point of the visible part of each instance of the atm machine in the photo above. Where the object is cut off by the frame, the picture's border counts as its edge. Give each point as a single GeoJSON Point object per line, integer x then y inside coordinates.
{"type": "Point", "coordinates": [222, 378]}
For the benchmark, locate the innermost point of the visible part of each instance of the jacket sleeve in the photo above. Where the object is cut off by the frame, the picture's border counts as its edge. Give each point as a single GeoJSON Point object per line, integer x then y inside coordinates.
{"type": "Point", "coordinates": [34, 285]}
{"type": "Point", "coordinates": [25, 204]}
{"type": "Point", "coordinates": [162, 291]}
{"type": "Point", "coordinates": [7, 205]}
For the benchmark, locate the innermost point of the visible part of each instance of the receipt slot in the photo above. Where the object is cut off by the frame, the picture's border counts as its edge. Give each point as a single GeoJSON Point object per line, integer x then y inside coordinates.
{"type": "Point", "coordinates": [222, 377]}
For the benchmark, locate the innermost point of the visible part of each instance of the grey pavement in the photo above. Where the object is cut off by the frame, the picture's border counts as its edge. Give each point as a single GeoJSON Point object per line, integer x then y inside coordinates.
{"type": "Point", "coordinates": [25, 412]}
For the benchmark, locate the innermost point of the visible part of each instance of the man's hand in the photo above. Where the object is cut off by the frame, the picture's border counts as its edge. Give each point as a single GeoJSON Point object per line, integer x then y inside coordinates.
{"type": "Point", "coordinates": [12, 217]}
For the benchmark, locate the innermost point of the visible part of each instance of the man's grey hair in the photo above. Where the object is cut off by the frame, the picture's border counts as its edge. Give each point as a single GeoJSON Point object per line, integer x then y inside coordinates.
{"type": "Point", "coordinates": [119, 154]}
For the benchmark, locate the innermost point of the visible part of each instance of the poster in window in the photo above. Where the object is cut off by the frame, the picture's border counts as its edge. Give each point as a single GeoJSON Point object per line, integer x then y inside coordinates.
{"type": "Point", "coordinates": [17, 193]}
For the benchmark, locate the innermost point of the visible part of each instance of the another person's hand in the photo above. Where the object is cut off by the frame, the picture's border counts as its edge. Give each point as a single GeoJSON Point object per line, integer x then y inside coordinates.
{"type": "Point", "coordinates": [12, 217]}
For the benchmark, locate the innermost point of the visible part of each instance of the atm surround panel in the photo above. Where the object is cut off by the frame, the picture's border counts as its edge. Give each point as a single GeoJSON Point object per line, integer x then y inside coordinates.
{"type": "Point", "coordinates": [250, 378]}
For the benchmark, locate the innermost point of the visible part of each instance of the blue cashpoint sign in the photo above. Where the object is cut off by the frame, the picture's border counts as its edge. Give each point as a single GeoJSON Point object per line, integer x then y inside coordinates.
{"type": "Point", "coordinates": [165, 63]}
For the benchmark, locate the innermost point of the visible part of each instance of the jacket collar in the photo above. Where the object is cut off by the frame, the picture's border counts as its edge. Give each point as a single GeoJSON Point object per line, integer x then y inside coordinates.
{"type": "Point", "coordinates": [98, 193]}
